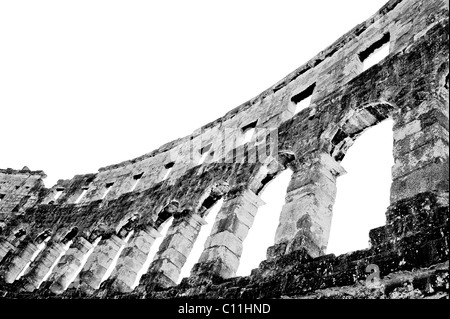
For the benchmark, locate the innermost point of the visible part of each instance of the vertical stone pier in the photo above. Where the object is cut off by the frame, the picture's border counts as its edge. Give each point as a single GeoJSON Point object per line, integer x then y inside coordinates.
{"type": "Point", "coordinates": [174, 250]}
{"type": "Point", "coordinates": [305, 218]}
{"type": "Point", "coordinates": [69, 265]}
{"type": "Point", "coordinates": [42, 264]}
{"type": "Point", "coordinates": [223, 248]}
{"type": "Point", "coordinates": [5, 247]}
{"type": "Point", "coordinates": [132, 259]}
{"type": "Point", "coordinates": [421, 152]}
{"type": "Point", "coordinates": [19, 262]}
{"type": "Point", "coordinates": [99, 262]}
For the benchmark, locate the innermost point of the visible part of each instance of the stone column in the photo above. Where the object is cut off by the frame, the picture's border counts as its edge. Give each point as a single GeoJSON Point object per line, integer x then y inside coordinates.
{"type": "Point", "coordinates": [223, 248]}
{"type": "Point", "coordinates": [421, 150]}
{"type": "Point", "coordinates": [41, 265]}
{"type": "Point", "coordinates": [132, 259]}
{"type": "Point", "coordinates": [69, 265]}
{"type": "Point", "coordinates": [305, 219]}
{"type": "Point", "coordinates": [99, 262]}
{"type": "Point", "coordinates": [174, 250]}
{"type": "Point", "coordinates": [5, 247]}
{"type": "Point", "coordinates": [18, 263]}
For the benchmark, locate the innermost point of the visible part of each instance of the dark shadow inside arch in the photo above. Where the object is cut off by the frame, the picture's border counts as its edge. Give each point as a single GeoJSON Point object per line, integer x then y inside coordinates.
{"type": "Point", "coordinates": [70, 235]}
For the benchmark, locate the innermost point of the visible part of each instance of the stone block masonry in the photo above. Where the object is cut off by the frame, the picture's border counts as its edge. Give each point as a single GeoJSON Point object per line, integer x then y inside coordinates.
{"type": "Point", "coordinates": [113, 216]}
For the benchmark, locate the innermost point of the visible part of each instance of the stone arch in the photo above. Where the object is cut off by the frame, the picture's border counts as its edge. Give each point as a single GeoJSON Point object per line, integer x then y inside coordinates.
{"type": "Point", "coordinates": [42, 237]}
{"type": "Point", "coordinates": [305, 219]}
{"type": "Point", "coordinates": [210, 197]}
{"type": "Point", "coordinates": [20, 233]}
{"type": "Point", "coordinates": [70, 235]}
{"type": "Point", "coordinates": [269, 169]}
{"type": "Point", "coordinates": [96, 231]}
{"type": "Point", "coordinates": [362, 196]}
{"type": "Point", "coordinates": [42, 267]}
{"type": "Point", "coordinates": [20, 263]}
{"type": "Point", "coordinates": [211, 200]}
{"type": "Point", "coordinates": [341, 136]}
{"type": "Point", "coordinates": [338, 138]}
{"type": "Point", "coordinates": [262, 232]}
{"type": "Point", "coordinates": [165, 213]}
{"type": "Point", "coordinates": [16, 230]}
{"type": "Point", "coordinates": [127, 224]}
{"type": "Point", "coordinates": [223, 248]}
{"type": "Point", "coordinates": [74, 259]}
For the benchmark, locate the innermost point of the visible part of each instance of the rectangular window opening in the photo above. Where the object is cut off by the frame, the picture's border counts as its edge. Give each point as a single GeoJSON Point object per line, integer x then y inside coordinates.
{"type": "Point", "coordinates": [376, 52]}
{"type": "Point", "coordinates": [108, 188]}
{"type": "Point", "coordinates": [20, 233]}
{"type": "Point", "coordinates": [58, 194]}
{"type": "Point", "coordinates": [136, 179]}
{"type": "Point", "coordinates": [302, 100]}
{"type": "Point", "coordinates": [248, 131]}
{"type": "Point", "coordinates": [168, 167]}
{"type": "Point", "coordinates": [81, 195]}
{"type": "Point", "coordinates": [204, 152]}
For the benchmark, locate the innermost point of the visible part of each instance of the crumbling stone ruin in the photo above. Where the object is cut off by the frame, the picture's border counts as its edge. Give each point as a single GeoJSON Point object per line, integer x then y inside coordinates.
{"type": "Point", "coordinates": [62, 242]}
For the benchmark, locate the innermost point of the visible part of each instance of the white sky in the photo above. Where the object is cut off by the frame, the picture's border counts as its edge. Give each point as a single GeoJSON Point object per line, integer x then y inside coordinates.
{"type": "Point", "coordinates": [85, 84]}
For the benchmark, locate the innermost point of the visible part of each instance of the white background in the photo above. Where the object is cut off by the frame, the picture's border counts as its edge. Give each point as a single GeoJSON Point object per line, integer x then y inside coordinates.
{"type": "Point", "coordinates": [85, 84]}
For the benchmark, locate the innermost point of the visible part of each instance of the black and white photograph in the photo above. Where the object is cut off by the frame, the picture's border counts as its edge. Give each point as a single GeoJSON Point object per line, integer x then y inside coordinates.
{"type": "Point", "coordinates": [223, 158]}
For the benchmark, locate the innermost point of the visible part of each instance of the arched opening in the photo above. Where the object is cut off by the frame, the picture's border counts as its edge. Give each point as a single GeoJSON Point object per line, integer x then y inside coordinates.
{"type": "Point", "coordinates": [44, 236]}
{"type": "Point", "coordinates": [262, 233]}
{"type": "Point", "coordinates": [70, 235]}
{"type": "Point", "coordinates": [363, 193]}
{"type": "Point", "coordinates": [126, 226]}
{"type": "Point", "coordinates": [163, 229]}
{"type": "Point", "coordinates": [20, 233]}
{"type": "Point", "coordinates": [199, 245]}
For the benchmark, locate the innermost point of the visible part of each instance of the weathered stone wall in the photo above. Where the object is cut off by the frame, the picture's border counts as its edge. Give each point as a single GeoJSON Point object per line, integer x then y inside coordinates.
{"type": "Point", "coordinates": [116, 213]}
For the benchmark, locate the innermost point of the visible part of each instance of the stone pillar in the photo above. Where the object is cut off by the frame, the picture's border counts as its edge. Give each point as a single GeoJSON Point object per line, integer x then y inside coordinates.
{"type": "Point", "coordinates": [305, 219]}
{"type": "Point", "coordinates": [421, 150]}
{"type": "Point", "coordinates": [132, 259]}
{"type": "Point", "coordinates": [5, 247]}
{"type": "Point", "coordinates": [174, 250]}
{"type": "Point", "coordinates": [223, 248]}
{"type": "Point", "coordinates": [69, 265]}
{"type": "Point", "coordinates": [41, 265]}
{"type": "Point", "coordinates": [18, 263]}
{"type": "Point", "coordinates": [99, 262]}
